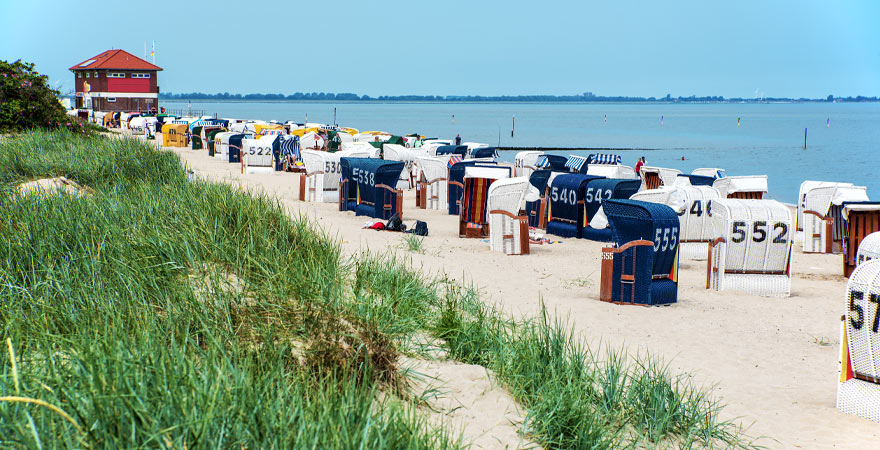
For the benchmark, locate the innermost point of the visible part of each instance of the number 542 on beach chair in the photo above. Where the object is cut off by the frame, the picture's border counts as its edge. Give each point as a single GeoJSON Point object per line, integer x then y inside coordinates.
{"type": "Point", "coordinates": [643, 267]}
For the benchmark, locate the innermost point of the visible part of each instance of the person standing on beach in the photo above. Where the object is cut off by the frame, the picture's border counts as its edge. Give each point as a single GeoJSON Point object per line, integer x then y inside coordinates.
{"type": "Point", "coordinates": [457, 139]}
{"type": "Point", "coordinates": [639, 165]}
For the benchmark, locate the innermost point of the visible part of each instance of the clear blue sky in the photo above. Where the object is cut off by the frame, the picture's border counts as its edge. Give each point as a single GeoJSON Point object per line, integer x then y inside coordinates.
{"type": "Point", "coordinates": [804, 48]}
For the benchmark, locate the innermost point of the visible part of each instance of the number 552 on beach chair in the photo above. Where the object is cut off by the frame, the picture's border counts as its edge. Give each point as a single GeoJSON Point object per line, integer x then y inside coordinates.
{"type": "Point", "coordinates": [753, 250]}
{"type": "Point", "coordinates": [508, 231]}
{"type": "Point", "coordinates": [643, 267]}
{"type": "Point", "coordinates": [858, 391]}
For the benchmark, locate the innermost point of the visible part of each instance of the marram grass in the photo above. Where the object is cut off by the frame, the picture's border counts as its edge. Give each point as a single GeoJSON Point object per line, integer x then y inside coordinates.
{"type": "Point", "coordinates": [161, 312]}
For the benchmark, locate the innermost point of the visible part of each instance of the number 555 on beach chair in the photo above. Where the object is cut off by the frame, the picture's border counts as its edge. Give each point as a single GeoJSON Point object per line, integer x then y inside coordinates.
{"type": "Point", "coordinates": [753, 250]}
{"type": "Point", "coordinates": [508, 231]}
{"type": "Point", "coordinates": [858, 391]}
{"type": "Point", "coordinates": [643, 267]}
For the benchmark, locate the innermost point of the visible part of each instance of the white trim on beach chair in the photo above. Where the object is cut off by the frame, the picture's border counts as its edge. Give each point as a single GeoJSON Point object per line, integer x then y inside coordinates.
{"type": "Point", "coordinates": [508, 231]}
{"type": "Point", "coordinates": [753, 250]}
{"type": "Point", "coordinates": [823, 223]}
{"type": "Point", "coordinates": [858, 391]}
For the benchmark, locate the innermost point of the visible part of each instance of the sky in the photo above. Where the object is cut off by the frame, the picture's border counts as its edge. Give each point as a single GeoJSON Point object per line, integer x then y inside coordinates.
{"type": "Point", "coordinates": [804, 48]}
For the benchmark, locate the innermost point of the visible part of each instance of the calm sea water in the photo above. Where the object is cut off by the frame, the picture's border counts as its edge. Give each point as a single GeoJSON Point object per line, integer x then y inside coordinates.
{"type": "Point", "coordinates": [769, 139]}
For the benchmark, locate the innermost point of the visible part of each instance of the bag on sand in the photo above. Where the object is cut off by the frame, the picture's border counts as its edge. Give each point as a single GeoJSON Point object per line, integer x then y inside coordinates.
{"type": "Point", "coordinates": [420, 228]}
{"type": "Point", "coordinates": [395, 224]}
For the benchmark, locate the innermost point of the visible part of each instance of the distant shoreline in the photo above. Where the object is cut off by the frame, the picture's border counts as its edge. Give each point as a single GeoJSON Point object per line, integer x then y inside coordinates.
{"type": "Point", "coordinates": [525, 102]}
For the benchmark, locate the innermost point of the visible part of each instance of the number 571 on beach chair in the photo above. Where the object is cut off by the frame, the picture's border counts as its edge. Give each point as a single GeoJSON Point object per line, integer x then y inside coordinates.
{"type": "Point", "coordinates": [643, 267]}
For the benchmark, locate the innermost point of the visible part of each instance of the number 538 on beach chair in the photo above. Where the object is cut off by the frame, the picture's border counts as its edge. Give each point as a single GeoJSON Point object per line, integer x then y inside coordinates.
{"type": "Point", "coordinates": [858, 391]}
{"type": "Point", "coordinates": [374, 180]}
{"type": "Point", "coordinates": [643, 267]}
{"type": "Point", "coordinates": [753, 250]}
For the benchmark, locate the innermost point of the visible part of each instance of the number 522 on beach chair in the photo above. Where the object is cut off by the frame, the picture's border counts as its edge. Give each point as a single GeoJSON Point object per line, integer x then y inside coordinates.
{"type": "Point", "coordinates": [753, 250]}
{"type": "Point", "coordinates": [643, 267]}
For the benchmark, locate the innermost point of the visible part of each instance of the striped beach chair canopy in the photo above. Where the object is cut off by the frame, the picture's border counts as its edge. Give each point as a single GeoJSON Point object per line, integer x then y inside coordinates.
{"type": "Point", "coordinates": [576, 164]}
{"type": "Point", "coordinates": [180, 122]}
{"type": "Point", "coordinates": [453, 160]}
{"type": "Point", "coordinates": [604, 158]}
{"type": "Point", "coordinates": [552, 162]}
{"type": "Point", "coordinates": [290, 147]}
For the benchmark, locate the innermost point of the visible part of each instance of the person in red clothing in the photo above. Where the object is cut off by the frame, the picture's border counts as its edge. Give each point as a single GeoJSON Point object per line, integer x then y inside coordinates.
{"type": "Point", "coordinates": [639, 166]}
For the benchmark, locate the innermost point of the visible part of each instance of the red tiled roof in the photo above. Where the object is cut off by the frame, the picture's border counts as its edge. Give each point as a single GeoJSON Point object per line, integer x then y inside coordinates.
{"type": "Point", "coordinates": [115, 59]}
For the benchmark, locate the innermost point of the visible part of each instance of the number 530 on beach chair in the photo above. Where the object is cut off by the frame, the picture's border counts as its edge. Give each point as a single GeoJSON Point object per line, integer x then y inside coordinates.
{"type": "Point", "coordinates": [643, 267]}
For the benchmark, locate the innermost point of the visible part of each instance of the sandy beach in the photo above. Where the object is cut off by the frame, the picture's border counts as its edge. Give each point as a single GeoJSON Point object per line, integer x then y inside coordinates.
{"type": "Point", "coordinates": [772, 361]}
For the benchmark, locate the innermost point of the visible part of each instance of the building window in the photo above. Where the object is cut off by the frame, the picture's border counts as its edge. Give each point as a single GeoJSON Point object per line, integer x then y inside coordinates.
{"type": "Point", "coordinates": [111, 99]}
{"type": "Point", "coordinates": [140, 75]}
{"type": "Point", "coordinates": [88, 75]}
{"type": "Point", "coordinates": [79, 75]}
{"type": "Point", "coordinates": [116, 75]}
{"type": "Point", "coordinates": [96, 74]}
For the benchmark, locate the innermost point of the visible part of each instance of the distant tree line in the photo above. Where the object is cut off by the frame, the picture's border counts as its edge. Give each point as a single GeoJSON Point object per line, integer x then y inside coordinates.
{"type": "Point", "coordinates": [585, 97]}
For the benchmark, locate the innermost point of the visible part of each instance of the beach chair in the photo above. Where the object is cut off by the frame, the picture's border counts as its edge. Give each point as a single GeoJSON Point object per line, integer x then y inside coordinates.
{"type": "Point", "coordinates": [487, 153]}
{"type": "Point", "coordinates": [347, 186]}
{"type": "Point", "coordinates": [692, 205]}
{"type": "Point", "coordinates": [693, 180]}
{"type": "Point", "coordinates": [750, 187]}
{"type": "Point", "coordinates": [259, 155]}
{"type": "Point", "coordinates": [822, 221]}
{"type": "Point", "coordinates": [597, 191]}
{"type": "Point", "coordinates": [753, 251]}
{"type": "Point", "coordinates": [234, 146]}
{"type": "Point", "coordinates": [432, 190]}
{"type": "Point", "coordinates": [555, 163]}
{"type": "Point", "coordinates": [455, 185]}
{"type": "Point", "coordinates": [869, 248]}
{"type": "Point", "coordinates": [473, 221]}
{"type": "Point", "coordinates": [508, 230]}
{"type": "Point", "coordinates": [565, 211]}
{"type": "Point", "coordinates": [860, 219]}
{"type": "Point", "coordinates": [212, 140]}
{"type": "Point", "coordinates": [858, 387]}
{"type": "Point", "coordinates": [642, 267]}
{"type": "Point", "coordinates": [321, 179]}
{"type": "Point", "coordinates": [713, 172]}
{"type": "Point", "coordinates": [395, 152]}
{"type": "Point", "coordinates": [524, 163]}
{"type": "Point", "coordinates": [196, 138]}
{"type": "Point", "coordinates": [806, 186]}
{"type": "Point", "coordinates": [577, 164]}
{"type": "Point", "coordinates": [375, 180]}
{"type": "Point", "coordinates": [460, 150]}
{"type": "Point", "coordinates": [174, 135]}
{"type": "Point", "coordinates": [536, 200]}
{"type": "Point", "coordinates": [654, 177]}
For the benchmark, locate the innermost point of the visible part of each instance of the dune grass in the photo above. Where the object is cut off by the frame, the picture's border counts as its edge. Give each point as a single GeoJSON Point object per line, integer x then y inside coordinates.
{"type": "Point", "coordinates": [164, 312]}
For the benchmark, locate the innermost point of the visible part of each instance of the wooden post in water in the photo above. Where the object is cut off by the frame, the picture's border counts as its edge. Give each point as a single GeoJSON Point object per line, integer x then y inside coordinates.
{"type": "Point", "coordinates": [512, 126]}
{"type": "Point", "coordinates": [805, 138]}
{"type": "Point", "coordinates": [453, 119]}
{"type": "Point", "coordinates": [334, 116]}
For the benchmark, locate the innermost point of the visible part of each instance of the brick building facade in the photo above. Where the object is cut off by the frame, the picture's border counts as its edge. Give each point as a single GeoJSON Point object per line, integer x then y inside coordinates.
{"type": "Point", "coordinates": [116, 80]}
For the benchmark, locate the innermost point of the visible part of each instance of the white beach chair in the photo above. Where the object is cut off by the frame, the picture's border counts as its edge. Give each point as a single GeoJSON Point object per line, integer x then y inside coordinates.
{"type": "Point", "coordinates": [524, 163]}
{"type": "Point", "coordinates": [869, 248]}
{"type": "Point", "coordinates": [257, 155]}
{"type": "Point", "coordinates": [508, 231]}
{"type": "Point", "coordinates": [753, 250]}
{"type": "Point", "coordinates": [823, 222]}
{"type": "Point", "coordinates": [434, 174]}
{"type": "Point", "coordinates": [395, 152]}
{"type": "Point", "coordinates": [858, 391]}
{"type": "Point", "coordinates": [654, 177]}
{"type": "Point", "coordinates": [749, 187]}
{"type": "Point", "coordinates": [802, 197]}
{"type": "Point", "coordinates": [320, 182]}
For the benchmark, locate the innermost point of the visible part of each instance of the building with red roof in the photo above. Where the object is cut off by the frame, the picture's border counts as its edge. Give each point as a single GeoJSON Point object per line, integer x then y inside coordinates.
{"type": "Point", "coordinates": [116, 80]}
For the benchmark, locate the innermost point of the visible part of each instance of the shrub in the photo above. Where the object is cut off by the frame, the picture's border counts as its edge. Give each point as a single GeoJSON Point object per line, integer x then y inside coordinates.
{"type": "Point", "coordinates": [26, 100]}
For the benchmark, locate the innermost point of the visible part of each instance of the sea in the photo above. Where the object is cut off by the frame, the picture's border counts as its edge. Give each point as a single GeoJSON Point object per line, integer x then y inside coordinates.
{"type": "Point", "coordinates": [842, 139]}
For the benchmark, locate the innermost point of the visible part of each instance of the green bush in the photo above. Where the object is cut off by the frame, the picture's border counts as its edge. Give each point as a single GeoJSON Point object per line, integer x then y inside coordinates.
{"type": "Point", "coordinates": [26, 100]}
